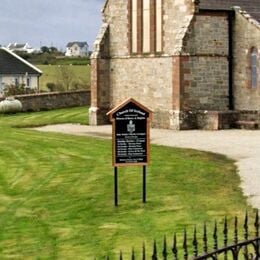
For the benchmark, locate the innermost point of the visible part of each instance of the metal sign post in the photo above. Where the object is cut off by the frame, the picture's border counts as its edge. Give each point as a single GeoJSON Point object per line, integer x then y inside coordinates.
{"type": "Point", "coordinates": [131, 139]}
{"type": "Point", "coordinates": [144, 184]}
{"type": "Point", "coordinates": [115, 186]}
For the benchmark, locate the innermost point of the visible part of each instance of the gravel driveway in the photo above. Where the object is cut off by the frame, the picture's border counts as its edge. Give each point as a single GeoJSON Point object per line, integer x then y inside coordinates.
{"type": "Point", "coordinates": [241, 145]}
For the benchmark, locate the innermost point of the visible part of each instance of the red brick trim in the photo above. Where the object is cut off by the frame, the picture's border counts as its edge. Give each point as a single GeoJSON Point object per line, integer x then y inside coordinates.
{"type": "Point", "coordinates": [178, 81]}
{"type": "Point", "coordinates": [129, 15]}
{"type": "Point", "coordinates": [139, 26]}
{"type": "Point", "coordinates": [152, 26]}
{"type": "Point", "coordinates": [153, 29]}
{"type": "Point", "coordinates": [162, 25]}
{"type": "Point", "coordinates": [94, 82]}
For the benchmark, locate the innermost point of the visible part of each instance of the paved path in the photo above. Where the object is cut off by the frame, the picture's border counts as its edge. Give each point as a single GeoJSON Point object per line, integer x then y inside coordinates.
{"type": "Point", "coordinates": [241, 145]}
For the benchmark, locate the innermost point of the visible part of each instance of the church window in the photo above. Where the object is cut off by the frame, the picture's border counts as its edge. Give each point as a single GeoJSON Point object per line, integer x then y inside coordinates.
{"type": "Point", "coordinates": [146, 26]}
{"type": "Point", "coordinates": [254, 68]}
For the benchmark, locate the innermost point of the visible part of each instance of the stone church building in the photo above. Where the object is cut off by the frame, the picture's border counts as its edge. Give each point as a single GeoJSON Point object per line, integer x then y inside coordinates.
{"type": "Point", "coordinates": [194, 63]}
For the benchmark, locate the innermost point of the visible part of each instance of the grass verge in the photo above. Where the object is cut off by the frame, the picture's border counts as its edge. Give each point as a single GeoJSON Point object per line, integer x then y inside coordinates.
{"type": "Point", "coordinates": [56, 192]}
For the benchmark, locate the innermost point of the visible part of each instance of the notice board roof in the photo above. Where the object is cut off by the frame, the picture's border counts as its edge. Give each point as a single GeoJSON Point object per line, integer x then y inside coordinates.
{"type": "Point", "coordinates": [125, 103]}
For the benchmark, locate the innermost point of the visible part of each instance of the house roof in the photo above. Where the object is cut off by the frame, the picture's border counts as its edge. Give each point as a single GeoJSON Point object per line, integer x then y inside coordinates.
{"type": "Point", "coordinates": [16, 45]}
{"type": "Point", "coordinates": [250, 6]}
{"type": "Point", "coordinates": [80, 44]}
{"type": "Point", "coordinates": [10, 63]}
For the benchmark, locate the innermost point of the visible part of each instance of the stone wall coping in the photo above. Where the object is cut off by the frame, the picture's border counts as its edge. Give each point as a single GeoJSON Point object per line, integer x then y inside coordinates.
{"type": "Point", "coordinates": [104, 7]}
{"type": "Point", "coordinates": [52, 93]}
{"type": "Point", "coordinates": [247, 16]}
{"type": "Point", "coordinates": [214, 112]}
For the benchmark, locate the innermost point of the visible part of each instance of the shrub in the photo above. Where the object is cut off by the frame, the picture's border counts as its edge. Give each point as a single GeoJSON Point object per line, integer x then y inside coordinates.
{"type": "Point", "coordinates": [51, 86]}
{"type": "Point", "coordinates": [13, 90]}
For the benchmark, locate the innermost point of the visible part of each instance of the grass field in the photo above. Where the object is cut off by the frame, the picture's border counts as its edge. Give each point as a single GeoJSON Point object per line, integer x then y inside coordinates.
{"type": "Point", "coordinates": [56, 192]}
{"type": "Point", "coordinates": [51, 73]}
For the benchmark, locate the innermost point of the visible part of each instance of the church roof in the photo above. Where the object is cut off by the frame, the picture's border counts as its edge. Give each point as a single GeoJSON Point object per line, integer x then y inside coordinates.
{"type": "Point", "coordinates": [250, 6]}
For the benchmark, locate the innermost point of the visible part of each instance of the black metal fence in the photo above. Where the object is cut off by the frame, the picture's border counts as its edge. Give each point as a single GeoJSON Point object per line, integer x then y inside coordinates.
{"type": "Point", "coordinates": [234, 247]}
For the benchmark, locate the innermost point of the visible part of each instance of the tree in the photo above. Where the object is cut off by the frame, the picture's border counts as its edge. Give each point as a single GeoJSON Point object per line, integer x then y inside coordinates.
{"type": "Point", "coordinates": [65, 77]}
{"type": "Point", "coordinates": [45, 49]}
{"type": "Point", "coordinates": [53, 50]}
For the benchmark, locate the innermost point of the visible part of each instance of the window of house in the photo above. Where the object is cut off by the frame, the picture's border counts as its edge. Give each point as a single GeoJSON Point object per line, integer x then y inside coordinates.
{"type": "Point", "coordinates": [16, 82]}
{"type": "Point", "coordinates": [146, 26]}
{"type": "Point", "coordinates": [28, 82]}
{"type": "Point", "coordinates": [254, 68]}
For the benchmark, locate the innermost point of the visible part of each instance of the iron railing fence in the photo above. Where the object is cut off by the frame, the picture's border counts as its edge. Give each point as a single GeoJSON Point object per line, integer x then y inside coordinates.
{"type": "Point", "coordinates": [247, 248]}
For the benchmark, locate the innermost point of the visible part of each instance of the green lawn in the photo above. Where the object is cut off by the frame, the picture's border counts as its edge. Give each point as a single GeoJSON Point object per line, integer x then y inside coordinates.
{"type": "Point", "coordinates": [56, 192]}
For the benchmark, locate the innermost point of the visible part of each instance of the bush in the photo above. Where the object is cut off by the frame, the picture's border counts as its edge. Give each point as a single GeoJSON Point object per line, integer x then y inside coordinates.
{"type": "Point", "coordinates": [13, 90]}
{"type": "Point", "coordinates": [51, 86]}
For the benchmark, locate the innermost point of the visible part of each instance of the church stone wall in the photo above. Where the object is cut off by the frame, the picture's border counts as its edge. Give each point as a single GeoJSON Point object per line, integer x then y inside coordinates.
{"type": "Point", "coordinates": [177, 16]}
{"type": "Point", "coordinates": [205, 69]}
{"type": "Point", "coordinates": [246, 36]}
{"type": "Point", "coordinates": [146, 77]}
{"type": "Point", "coordinates": [116, 15]}
{"type": "Point", "coordinates": [147, 80]}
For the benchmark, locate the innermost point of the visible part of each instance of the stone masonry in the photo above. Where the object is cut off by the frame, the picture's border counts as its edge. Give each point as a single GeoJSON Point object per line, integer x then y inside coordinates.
{"type": "Point", "coordinates": [54, 100]}
{"type": "Point", "coordinates": [247, 35]}
{"type": "Point", "coordinates": [193, 82]}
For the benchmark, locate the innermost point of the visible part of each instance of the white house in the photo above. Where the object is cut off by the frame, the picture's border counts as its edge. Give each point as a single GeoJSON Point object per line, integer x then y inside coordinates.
{"type": "Point", "coordinates": [23, 47]}
{"type": "Point", "coordinates": [16, 71]}
{"type": "Point", "coordinates": [77, 49]}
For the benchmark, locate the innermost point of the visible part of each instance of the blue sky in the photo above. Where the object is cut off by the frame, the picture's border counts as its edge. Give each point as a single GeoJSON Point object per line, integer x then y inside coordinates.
{"type": "Point", "coordinates": [49, 22]}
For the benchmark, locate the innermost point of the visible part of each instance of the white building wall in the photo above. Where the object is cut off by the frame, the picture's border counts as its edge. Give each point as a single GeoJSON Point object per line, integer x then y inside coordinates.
{"type": "Point", "coordinates": [7, 80]}
{"type": "Point", "coordinates": [76, 51]}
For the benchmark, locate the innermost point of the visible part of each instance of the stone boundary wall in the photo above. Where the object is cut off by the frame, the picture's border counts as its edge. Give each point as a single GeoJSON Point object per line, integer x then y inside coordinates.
{"type": "Point", "coordinates": [209, 120]}
{"type": "Point", "coordinates": [247, 115]}
{"type": "Point", "coordinates": [54, 100]}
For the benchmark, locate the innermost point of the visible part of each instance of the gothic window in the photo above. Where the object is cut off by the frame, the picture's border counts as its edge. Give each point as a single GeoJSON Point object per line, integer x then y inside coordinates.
{"type": "Point", "coordinates": [146, 26]}
{"type": "Point", "coordinates": [254, 68]}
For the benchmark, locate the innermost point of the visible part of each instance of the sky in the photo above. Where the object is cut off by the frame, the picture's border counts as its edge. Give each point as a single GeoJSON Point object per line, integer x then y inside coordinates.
{"type": "Point", "coordinates": [49, 22]}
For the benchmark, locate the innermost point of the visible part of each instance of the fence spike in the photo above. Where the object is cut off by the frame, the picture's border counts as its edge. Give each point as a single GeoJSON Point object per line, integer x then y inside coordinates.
{"type": "Point", "coordinates": [164, 252]}
{"type": "Point", "coordinates": [121, 255]}
{"type": "Point", "coordinates": [246, 227]}
{"type": "Point", "coordinates": [215, 236]}
{"type": "Point", "coordinates": [235, 231]}
{"type": "Point", "coordinates": [246, 235]}
{"type": "Point", "coordinates": [174, 247]}
{"type": "Point", "coordinates": [205, 239]}
{"type": "Point", "coordinates": [143, 252]}
{"type": "Point", "coordinates": [154, 256]}
{"type": "Point", "coordinates": [185, 247]}
{"type": "Point", "coordinates": [195, 242]}
{"type": "Point", "coordinates": [256, 224]}
{"type": "Point", "coordinates": [133, 254]}
{"type": "Point", "coordinates": [225, 232]}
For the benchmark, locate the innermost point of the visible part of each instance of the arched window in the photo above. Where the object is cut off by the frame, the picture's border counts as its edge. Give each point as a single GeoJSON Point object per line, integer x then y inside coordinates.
{"type": "Point", "coordinates": [254, 67]}
{"type": "Point", "coordinates": [146, 26]}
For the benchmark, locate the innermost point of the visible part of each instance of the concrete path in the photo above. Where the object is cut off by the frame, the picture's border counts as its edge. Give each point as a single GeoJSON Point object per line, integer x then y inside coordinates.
{"type": "Point", "coordinates": [241, 145]}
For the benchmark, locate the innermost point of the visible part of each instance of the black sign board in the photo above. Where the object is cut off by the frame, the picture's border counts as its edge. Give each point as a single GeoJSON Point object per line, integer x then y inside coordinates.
{"type": "Point", "coordinates": [131, 133]}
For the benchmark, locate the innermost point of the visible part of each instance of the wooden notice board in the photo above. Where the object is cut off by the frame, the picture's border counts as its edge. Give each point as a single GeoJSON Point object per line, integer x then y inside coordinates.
{"type": "Point", "coordinates": [131, 133]}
